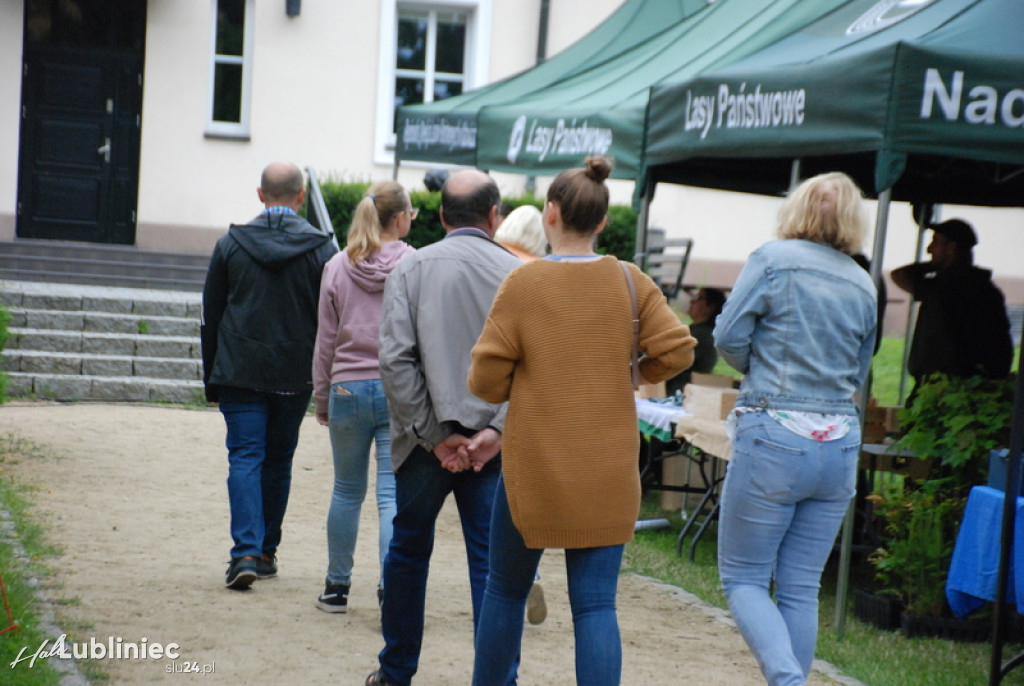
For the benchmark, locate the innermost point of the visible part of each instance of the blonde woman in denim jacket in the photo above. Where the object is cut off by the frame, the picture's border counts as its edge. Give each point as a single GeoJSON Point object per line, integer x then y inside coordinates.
{"type": "Point", "coordinates": [800, 324]}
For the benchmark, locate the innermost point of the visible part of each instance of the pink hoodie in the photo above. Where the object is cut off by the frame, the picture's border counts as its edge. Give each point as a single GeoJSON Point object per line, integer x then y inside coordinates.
{"type": "Point", "coordinates": [351, 297]}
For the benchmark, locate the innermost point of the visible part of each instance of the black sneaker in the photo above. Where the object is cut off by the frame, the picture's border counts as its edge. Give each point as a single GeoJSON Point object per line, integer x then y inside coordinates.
{"type": "Point", "coordinates": [334, 598]}
{"type": "Point", "coordinates": [266, 567]}
{"type": "Point", "coordinates": [241, 573]}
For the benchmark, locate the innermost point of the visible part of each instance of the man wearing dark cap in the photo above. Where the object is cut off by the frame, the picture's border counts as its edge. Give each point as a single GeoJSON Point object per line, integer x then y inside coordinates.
{"type": "Point", "coordinates": [962, 327]}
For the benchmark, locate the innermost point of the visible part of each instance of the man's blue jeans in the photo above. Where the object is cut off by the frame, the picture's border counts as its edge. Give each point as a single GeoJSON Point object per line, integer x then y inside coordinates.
{"type": "Point", "coordinates": [358, 416]}
{"type": "Point", "coordinates": [262, 432]}
{"type": "Point", "coordinates": [783, 501]}
{"type": "Point", "coordinates": [422, 485]}
{"type": "Point", "coordinates": [593, 576]}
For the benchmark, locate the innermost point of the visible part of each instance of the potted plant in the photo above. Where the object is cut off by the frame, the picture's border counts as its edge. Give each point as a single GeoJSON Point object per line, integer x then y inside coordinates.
{"type": "Point", "coordinates": [956, 423]}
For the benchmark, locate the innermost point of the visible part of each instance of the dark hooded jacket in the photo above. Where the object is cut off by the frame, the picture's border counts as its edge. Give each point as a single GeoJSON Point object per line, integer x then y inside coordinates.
{"type": "Point", "coordinates": [260, 305]}
{"type": "Point", "coordinates": [962, 328]}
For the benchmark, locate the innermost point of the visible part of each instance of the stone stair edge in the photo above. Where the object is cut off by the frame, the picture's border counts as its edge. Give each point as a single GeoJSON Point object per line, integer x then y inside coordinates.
{"type": "Point", "coordinates": [98, 292]}
{"type": "Point", "coordinates": [111, 389]}
{"type": "Point", "coordinates": [99, 356]}
{"type": "Point", "coordinates": [22, 331]}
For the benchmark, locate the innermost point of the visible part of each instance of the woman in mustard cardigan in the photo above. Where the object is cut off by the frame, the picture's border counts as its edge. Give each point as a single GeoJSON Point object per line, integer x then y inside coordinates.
{"type": "Point", "coordinates": [556, 346]}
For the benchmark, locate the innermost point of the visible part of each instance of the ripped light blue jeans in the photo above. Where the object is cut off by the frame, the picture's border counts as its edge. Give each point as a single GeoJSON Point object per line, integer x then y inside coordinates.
{"type": "Point", "coordinates": [783, 501]}
{"type": "Point", "coordinates": [357, 416]}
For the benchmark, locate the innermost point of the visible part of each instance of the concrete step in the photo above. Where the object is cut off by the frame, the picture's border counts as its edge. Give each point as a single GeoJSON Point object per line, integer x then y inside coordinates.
{"type": "Point", "coordinates": [52, 340]}
{"type": "Point", "coordinates": [80, 342]}
{"type": "Point", "coordinates": [99, 264]}
{"type": "Point", "coordinates": [40, 362]}
{"type": "Point", "coordinates": [105, 388]}
{"type": "Point", "coordinates": [104, 322]}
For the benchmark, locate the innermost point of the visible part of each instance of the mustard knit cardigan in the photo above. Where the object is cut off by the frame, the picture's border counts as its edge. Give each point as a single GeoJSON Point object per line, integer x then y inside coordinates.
{"type": "Point", "coordinates": [557, 346]}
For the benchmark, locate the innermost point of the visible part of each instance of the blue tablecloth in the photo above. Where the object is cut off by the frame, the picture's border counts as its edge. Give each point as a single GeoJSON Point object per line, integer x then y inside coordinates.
{"type": "Point", "coordinates": [974, 569]}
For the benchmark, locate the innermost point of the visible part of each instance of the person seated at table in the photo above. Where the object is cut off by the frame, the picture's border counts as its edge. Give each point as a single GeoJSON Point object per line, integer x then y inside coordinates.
{"type": "Point", "coordinates": [705, 306]}
{"type": "Point", "coordinates": [800, 325]}
{"type": "Point", "coordinates": [551, 318]}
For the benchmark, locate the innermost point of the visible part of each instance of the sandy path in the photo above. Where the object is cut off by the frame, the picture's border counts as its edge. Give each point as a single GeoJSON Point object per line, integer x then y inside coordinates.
{"type": "Point", "coordinates": [135, 497]}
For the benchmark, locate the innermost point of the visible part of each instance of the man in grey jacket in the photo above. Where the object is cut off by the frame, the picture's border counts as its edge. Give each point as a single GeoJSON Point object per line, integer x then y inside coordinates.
{"type": "Point", "coordinates": [258, 331]}
{"type": "Point", "coordinates": [435, 305]}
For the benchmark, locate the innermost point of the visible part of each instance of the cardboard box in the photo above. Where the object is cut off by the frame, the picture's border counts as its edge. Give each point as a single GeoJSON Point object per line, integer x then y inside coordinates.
{"type": "Point", "coordinates": [675, 471]}
{"type": "Point", "coordinates": [710, 402]}
{"type": "Point", "coordinates": [651, 390]}
{"type": "Point", "coordinates": [879, 422]}
{"type": "Point", "coordinates": [719, 380]}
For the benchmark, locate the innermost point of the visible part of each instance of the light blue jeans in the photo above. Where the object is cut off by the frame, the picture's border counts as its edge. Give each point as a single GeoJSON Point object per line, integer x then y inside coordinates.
{"type": "Point", "coordinates": [783, 501]}
{"type": "Point", "coordinates": [593, 576]}
{"type": "Point", "coordinates": [357, 415]}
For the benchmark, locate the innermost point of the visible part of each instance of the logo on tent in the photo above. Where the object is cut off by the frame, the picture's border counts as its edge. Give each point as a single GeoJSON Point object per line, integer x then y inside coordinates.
{"type": "Point", "coordinates": [515, 140]}
{"type": "Point", "coordinates": [886, 13]}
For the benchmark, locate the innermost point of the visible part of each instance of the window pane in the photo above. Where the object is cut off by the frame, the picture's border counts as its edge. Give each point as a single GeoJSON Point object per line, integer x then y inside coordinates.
{"type": "Point", "coordinates": [227, 93]}
{"type": "Point", "coordinates": [451, 44]}
{"type": "Point", "coordinates": [446, 89]}
{"type": "Point", "coordinates": [230, 26]}
{"type": "Point", "coordinates": [412, 42]}
{"type": "Point", "coordinates": [407, 92]}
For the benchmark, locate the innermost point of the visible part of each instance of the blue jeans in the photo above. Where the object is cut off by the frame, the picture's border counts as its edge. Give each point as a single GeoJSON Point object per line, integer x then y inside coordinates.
{"type": "Point", "coordinates": [262, 432]}
{"type": "Point", "coordinates": [358, 415]}
{"type": "Point", "coordinates": [593, 577]}
{"type": "Point", "coordinates": [422, 485]}
{"type": "Point", "coordinates": [783, 501]}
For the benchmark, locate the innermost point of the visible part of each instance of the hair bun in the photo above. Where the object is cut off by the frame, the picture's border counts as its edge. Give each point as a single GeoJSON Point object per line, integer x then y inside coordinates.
{"type": "Point", "coordinates": [598, 168]}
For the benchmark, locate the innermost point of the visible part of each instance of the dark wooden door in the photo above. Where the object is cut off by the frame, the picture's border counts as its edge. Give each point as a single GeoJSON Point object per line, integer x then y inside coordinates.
{"type": "Point", "coordinates": [81, 118]}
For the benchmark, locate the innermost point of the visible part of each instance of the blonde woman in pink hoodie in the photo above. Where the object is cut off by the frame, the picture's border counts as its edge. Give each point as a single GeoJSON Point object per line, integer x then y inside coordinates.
{"type": "Point", "coordinates": [346, 377]}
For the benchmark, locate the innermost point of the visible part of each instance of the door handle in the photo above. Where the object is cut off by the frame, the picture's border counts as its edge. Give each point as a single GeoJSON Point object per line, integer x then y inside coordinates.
{"type": "Point", "coordinates": [104, 150]}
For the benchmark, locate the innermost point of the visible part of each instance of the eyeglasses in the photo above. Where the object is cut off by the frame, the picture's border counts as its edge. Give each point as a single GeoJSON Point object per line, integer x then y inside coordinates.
{"type": "Point", "coordinates": [413, 212]}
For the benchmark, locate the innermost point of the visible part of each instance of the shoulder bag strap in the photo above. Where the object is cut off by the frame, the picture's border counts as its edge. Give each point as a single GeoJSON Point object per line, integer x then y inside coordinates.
{"type": "Point", "coordinates": [634, 362]}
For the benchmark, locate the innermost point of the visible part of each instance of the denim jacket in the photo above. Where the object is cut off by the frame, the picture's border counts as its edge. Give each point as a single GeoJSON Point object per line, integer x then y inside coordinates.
{"type": "Point", "coordinates": [800, 324]}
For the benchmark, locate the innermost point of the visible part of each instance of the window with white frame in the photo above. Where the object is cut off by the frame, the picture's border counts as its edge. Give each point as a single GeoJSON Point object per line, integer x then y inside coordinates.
{"type": "Point", "coordinates": [231, 69]}
{"type": "Point", "coordinates": [429, 51]}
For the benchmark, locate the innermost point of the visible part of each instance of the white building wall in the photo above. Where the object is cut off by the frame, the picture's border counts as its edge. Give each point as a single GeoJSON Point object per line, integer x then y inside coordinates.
{"type": "Point", "coordinates": [314, 101]}
{"type": "Point", "coordinates": [11, 23]}
{"type": "Point", "coordinates": [314, 84]}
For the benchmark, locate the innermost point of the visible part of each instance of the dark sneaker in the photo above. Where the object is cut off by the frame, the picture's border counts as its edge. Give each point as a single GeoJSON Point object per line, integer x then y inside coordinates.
{"type": "Point", "coordinates": [241, 573]}
{"type": "Point", "coordinates": [266, 567]}
{"type": "Point", "coordinates": [334, 598]}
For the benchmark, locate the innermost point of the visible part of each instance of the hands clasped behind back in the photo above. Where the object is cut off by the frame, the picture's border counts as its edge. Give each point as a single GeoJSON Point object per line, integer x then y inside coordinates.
{"type": "Point", "coordinates": [459, 453]}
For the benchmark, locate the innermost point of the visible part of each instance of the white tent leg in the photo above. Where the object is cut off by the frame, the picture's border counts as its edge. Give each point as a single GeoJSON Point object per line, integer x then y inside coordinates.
{"type": "Point", "coordinates": [846, 539]}
{"type": "Point", "coordinates": [794, 174]}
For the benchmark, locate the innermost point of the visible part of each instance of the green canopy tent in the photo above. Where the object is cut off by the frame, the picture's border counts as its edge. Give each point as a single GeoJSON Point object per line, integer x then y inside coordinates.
{"type": "Point", "coordinates": [591, 98]}
{"type": "Point", "coordinates": [930, 106]}
{"type": "Point", "coordinates": [919, 101]}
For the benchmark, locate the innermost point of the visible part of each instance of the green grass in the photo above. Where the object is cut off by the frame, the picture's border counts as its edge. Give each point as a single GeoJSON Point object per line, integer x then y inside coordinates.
{"type": "Point", "coordinates": [875, 657]}
{"type": "Point", "coordinates": [17, 575]}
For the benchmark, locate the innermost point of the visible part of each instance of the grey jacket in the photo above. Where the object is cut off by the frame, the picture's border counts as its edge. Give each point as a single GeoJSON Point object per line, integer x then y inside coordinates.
{"type": "Point", "coordinates": [435, 304]}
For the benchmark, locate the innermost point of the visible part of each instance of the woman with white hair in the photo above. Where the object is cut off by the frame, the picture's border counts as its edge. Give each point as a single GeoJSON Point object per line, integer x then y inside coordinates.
{"type": "Point", "coordinates": [800, 325]}
{"type": "Point", "coordinates": [522, 233]}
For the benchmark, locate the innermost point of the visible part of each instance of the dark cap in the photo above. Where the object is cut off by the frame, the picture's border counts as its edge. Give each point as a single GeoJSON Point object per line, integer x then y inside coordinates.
{"type": "Point", "coordinates": [957, 231]}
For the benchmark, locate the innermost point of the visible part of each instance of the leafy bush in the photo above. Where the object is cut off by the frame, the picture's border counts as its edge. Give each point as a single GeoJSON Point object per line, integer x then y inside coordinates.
{"type": "Point", "coordinates": [617, 239]}
{"type": "Point", "coordinates": [921, 525]}
{"type": "Point", "coordinates": [958, 421]}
